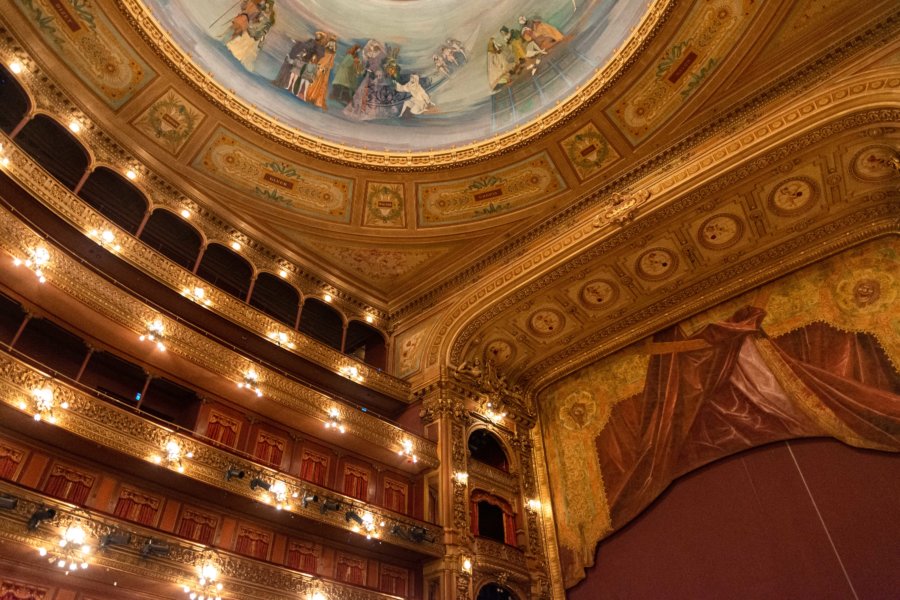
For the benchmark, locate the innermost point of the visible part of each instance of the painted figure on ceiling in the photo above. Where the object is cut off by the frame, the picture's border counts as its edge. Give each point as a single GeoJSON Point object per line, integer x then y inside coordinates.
{"type": "Point", "coordinates": [346, 76]}
{"type": "Point", "coordinates": [249, 29]}
{"type": "Point", "coordinates": [419, 101]}
{"type": "Point", "coordinates": [543, 34]}
{"type": "Point", "coordinates": [300, 52]}
{"type": "Point", "coordinates": [499, 62]}
{"type": "Point", "coordinates": [316, 95]}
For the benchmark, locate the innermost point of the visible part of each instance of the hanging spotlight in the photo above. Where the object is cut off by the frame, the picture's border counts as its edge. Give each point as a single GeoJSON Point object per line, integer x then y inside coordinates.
{"type": "Point", "coordinates": [330, 505]}
{"type": "Point", "coordinates": [334, 420]}
{"type": "Point", "coordinates": [8, 502]}
{"type": "Point", "coordinates": [72, 550]}
{"type": "Point", "coordinates": [39, 516]}
{"type": "Point", "coordinates": [407, 451]}
{"type": "Point", "coordinates": [155, 333]}
{"type": "Point", "coordinates": [117, 538]}
{"type": "Point", "coordinates": [38, 258]}
{"type": "Point", "coordinates": [399, 531]}
{"type": "Point", "coordinates": [419, 534]}
{"type": "Point", "coordinates": [256, 484]}
{"type": "Point", "coordinates": [307, 498]}
{"type": "Point", "coordinates": [233, 473]}
{"type": "Point", "coordinates": [251, 382]}
{"type": "Point", "coordinates": [172, 456]}
{"type": "Point", "coordinates": [157, 548]}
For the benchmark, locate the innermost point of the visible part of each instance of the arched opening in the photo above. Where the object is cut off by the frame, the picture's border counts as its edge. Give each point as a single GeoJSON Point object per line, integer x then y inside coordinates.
{"type": "Point", "coordinates": [492, 518]}
{"type": "Point", "coordinates": [486, 448]}
{"type": "Point", "coordinates": [495, 591]}
{"type": "Point", "coordinates": [173, 238]}
{"type": "Point", "coordinates": [55, 149]}
{"type": "Point", "coordinates": [322, 322]}
{"type": "Point", "coordinates": [276, 298]}
{"type": "Point", "coordinates": [115, 198]}
{"type": "Point", "coordinates": [366, 343]}
{"type": "Point", "coordinates": [226, 270]}
{"type": "Point", "coordinates": [14, 103]}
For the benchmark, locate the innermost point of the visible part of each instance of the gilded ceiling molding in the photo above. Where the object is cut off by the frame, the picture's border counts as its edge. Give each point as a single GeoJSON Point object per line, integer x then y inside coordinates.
{"type": "Point", "coordinates": [142, 21]}
{"type": "Point", "coordinates": [131, 434]}
{"type": "Point", "coordinates": [244, 578]}
{"type": "Point", "coordinates": [77, 212]}
{"type": "Point", "coordinates": [650, 220]}
{"type": "Point", "coordinates": [111, 302]}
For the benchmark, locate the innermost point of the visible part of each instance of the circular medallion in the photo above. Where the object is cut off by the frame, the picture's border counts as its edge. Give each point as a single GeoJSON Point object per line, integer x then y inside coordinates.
{"type": "Point", "coordinates": [793, 196]}
{"type": "Point", "coordinates": [546, 322]}
{"type": "Point", "coordinates": [599, 293]}
{"type": "Point", "coordinates": [499, 351]}
{"type": "Point", "coordinates": [720, 231]}
{"type": "Point", "coordinates": [656, 263]}
{"type": "Point", "coordinates": [866, 291]}
{"type": "Point", "coordinates": [874, 163]}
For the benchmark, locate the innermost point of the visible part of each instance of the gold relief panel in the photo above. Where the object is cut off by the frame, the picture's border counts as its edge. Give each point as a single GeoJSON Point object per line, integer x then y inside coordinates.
{"type": "Point", "coordinates": [169, 121]}
{"type": "Point", "coordinates": [720, 231]}
{"type": "Point", "coordinates": [547, 323]}
{"type": "Point", "coordinates": [382, 264]}
{"type": "Point", "coordinates": [788, 197]}
{"type": "Point", "coordinates": [699, 48]}
{"type": "Point", "coordinates": [385, 205]}
{"type": "Point", "coordinates": [597, 293]}
{"type": "Point", "coordinates": [488, 195]}
{"type": "Point", "coordinates": [656, 263]}
{"type": "Point", "coordinates": [875, 163]}
{"type": "Point", "coordinates": [409, 351]}
{"type": "Point", "coordinates": [273, 180]}
{"type": "Point", "coordinates": [588, 151]}
{"type": "Point", "coordinates": [90, 46]}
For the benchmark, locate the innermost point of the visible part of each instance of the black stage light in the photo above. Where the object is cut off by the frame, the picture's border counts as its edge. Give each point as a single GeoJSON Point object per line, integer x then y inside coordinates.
{"type": "Point", "coordinates": [8, 502]}
{"type": "Point", "coordinates": [154, 548]}
{"type": "Point", "coordinates": [309, 498]}
{"type": "Point", "coordinates": [41, 514]}
{"type": "Point", "coordinates": [352, 516]}
{"type": "Point", "coordinates": [419, 534]}
{"type": "Point", "coordinates": [117, 538]}
{"type": "Point", "coordinates": [233, 473]}
{"type": "Point", "coordinates": [257, 483]}
{"type": "Point", "coordinates": [330, 505]}
{"type": "Point", "coordinates": [399, 531]}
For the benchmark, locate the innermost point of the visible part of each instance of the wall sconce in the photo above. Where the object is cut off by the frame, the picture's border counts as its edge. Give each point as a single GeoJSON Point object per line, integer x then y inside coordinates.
{"type": "Point", "coordinates": [466, 565]}
{"type": "Point", "coordinates": [364, 524]}
{"type": "Point", "coordinates": [71, 552]}
{"type": "Point", "coordinates": [251, 382]}
{"type": "Point", "coordinates": [206, 588]}
{"type": "Point", "coordinates": [131, 174]}
{"type": "Point", "coordinates": [327, 298]}
{"type": "Point", "coordinates": [106, 239]}
{"type": "Point", "coordinates": [407, 451]}
{"type": "Point", "coordinates": [16, 66]}
{"type": "Point", "coordinates": [494, 416]}
{"type": "Point", "coordinates": [370, 319]}
{"type": "Point", "coordinates": [317, 596]}
{"type": "Point", "coordinates": [279, 495]}
{"type": "Point", "coordinates": [185, 213]}
{"type": "Point", "coordinates": [43, 404]}
{"type": "Point", "coordinates": [38, 258]}
{"type": "Point", "coordinates": [334, 421]}
{"type": "Point", "coordinates": [155, 333]}
{"type": "Point", "coordinates": [461, 477]}
{"type": "Point", "coordinates": [4, 160]}
{"type": "Point", "coordinates": [352, 372]}
{"type": "Point", "coordinates": [534, 505]}
{"type": "Point", "coordinates": [281, 339]}
{"type": "Point", "coordinates": [74, 125]}
{"type": "Point", "coordinates": [197, 294]}
{"type": "Point", "coordinates": [172, 456]}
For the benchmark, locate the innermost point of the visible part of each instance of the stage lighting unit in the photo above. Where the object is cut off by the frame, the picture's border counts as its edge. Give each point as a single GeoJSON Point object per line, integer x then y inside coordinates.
{"type": "Point", "coordinates": [40, 515]}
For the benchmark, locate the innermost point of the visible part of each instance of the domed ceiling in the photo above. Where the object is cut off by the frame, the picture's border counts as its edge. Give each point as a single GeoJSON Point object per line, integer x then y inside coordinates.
{"type": "Point", "coordinates": [401, 75]}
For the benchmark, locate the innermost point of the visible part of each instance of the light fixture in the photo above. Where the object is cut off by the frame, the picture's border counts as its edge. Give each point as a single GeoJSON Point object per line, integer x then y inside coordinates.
{"type": "Point", "coordinates": [494, 416]}
{"type": "Point", "coordinates": [74, 126]}
{"type": "Point", "coordinates": [39, 516]}
{"type": "Point", "coordinates": [8, 502]}
{"type": "Point", "coordinates": [43, 404]}
{"type": "Point", "coordinates": [332, 505]}
{"type": "Point", "coordinates": [172, 456]}
{"type": "Point", "coordinates": [370, 319]}
{"type": "Point", "coordinates": [251, 382]}
{"type": "Point", "coordinates": [534, 505]}
{"type": "Point", "coordinates": [318, 596]}
{"type": "Point", "coordinates": [420, 534]}
{"type": "Point", "coordinates": [351, 372]}
{"type": "Point", "coordinates": [155, 333]}
{"type": "Point", "coordinates": [4, 160]}
{"type": "Point", "coordinates": [461, 477]}
{"type": "Point", "coordinates": [307, 498]}
{"type": "Point", "coordinates": [106, 239]}
{"type": "Point", "coordinates": [407, 451]}
{"type": "Point", "coordinates": [233, 473]}
{"type": "Point", "coordinates": [72, 550]}
{"type": "Point", "coordinates": [185, 213]}
{"type": "Point", "coordinates": [334, 421]}
{"type": "Point", "coordinates": [16, 66]}
{"type": "Point", "coordinates": [38, 258]}
{"type": "Point", "coordinates": [282, 273]}
{"type": "Point", "coordinates": [327, 297]}
{"type": "Point", "coordinates": [197, 294]}
{"type": "Point", "coordinates": [131, 174]}
{"type": "Point", "coordinates": [364, 524]}
{"type": "Point", "coordinates": [279, 495]}
{"type": "Point", "coordinates": [116, 538]}
{"type": "Point", "coordinates": [281, 339]}
{"type": "Point", "coordinates": [256, 484]}
{"type": "Point", "coordinates": [156, 548]}
{"type": "Point", "coordinates": [206, 588]}
{"type": "Point", "coordinates": [235, 246]}
{"type": "Point", "coordinates": [466, 565]}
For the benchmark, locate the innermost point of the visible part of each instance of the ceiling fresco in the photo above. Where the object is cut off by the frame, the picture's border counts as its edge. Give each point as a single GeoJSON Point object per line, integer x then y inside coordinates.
{"type": "Point", "coordinates": [380, 74]}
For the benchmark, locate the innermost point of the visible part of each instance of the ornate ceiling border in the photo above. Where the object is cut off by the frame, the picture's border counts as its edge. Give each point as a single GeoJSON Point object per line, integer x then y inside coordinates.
{"type": "Point", "coordinates": [142, 21]}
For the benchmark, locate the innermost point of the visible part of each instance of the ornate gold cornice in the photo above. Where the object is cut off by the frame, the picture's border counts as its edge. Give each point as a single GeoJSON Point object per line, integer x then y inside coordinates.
{"type": "Point", "coordinates": [244, 578]}
{"type": "Point", "coordinates": [133, 435]}
{"type": "Point", "coordinates": [145, 24]}
{"type": "Point", "coordinates": [33, 178]}
{"type": "Point", "coordinates": [111, 302]}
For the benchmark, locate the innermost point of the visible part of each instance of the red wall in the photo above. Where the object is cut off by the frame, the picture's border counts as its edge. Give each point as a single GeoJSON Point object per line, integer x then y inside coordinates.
{"type": "Point", "coordinates": [748, 527]}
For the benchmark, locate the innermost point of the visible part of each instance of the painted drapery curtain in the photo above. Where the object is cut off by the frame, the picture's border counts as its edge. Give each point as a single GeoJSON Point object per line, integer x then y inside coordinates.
{"type": "Point", "coordinates": [813, 354]}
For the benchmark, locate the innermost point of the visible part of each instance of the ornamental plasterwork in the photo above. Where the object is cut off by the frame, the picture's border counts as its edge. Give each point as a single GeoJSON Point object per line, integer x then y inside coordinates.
{"type": "Point", "coordinates": [108, 300]}
{"type": "Point", "coordinates": [244, 578]}
{"type": "Point", "coordinates": [144, 23]}
{"type": "Point", "coordinates": [133, 435]}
